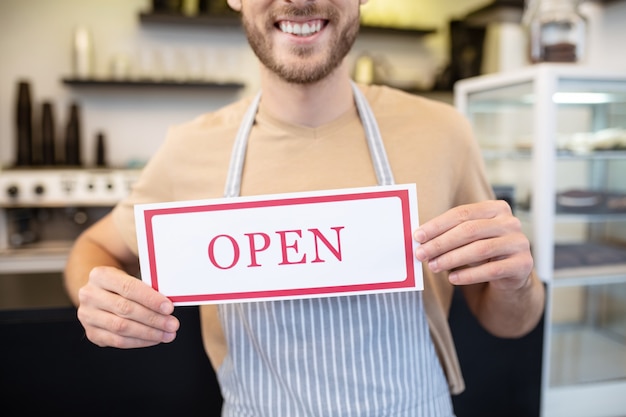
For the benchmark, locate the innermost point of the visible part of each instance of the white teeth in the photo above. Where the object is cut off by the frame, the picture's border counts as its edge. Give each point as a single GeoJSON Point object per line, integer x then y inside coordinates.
{"type": "Point", "coordinates": [306, 29]}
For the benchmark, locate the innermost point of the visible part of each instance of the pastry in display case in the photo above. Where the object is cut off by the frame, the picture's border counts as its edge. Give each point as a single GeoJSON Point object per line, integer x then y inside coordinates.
{"type": "Point", "coordinates": [555, 134]}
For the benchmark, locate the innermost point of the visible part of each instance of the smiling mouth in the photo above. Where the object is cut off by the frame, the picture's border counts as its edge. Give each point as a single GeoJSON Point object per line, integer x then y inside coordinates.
{"type": "Point", "coordinates": [308, 28]}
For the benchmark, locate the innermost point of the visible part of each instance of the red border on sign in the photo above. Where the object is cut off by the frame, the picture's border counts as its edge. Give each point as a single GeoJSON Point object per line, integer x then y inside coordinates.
{"type": "Point", "coordinates": [408, 282]}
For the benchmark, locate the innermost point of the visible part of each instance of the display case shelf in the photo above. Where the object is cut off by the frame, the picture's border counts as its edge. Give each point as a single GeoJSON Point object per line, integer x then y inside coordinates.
{"type": "Point", "coordinates": [603, 275]}
{"type": "Point", "coordinates": [564, 217]}
{"type": "Point", "coordinates": [496, 154]}
{"type": "Point", "coordinates": [525, 214]}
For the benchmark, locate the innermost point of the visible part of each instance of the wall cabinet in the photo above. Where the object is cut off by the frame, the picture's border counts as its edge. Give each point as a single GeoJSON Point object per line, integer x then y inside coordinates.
{"type": "Point", "coordinates": [555, 136]}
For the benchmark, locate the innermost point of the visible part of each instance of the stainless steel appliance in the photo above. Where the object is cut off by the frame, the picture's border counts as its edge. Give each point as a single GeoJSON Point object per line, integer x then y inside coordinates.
{"type": "Point", "coordinates": [42, 211]}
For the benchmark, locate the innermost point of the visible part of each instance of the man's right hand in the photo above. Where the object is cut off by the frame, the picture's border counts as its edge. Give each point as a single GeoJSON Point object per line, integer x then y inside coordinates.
{"type": "Point", "coordinates": [118, 310]}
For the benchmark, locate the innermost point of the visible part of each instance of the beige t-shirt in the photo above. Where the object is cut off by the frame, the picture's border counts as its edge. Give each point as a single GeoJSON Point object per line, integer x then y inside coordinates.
{"type": "Point", "coordinates": [427, 143]}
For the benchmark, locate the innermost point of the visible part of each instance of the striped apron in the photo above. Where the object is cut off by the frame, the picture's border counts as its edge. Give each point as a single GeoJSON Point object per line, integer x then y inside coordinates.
{"type": "Point", "coordinates": [360, 355]}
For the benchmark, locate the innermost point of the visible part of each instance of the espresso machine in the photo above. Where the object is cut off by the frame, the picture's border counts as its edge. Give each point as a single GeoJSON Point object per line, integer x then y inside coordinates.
{"type": "Point", "coordinates": [42, 212]}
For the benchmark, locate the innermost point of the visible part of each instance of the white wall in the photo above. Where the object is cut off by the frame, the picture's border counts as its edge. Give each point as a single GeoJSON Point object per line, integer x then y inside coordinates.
{"type": "Point", "coordinates": [35, 44]}
{"type": "Point", "coordinates": [607, 34]}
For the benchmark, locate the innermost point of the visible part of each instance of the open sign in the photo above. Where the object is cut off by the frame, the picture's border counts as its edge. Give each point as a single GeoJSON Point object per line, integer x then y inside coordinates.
{"type": "Point", "coordinates": [283, 246]}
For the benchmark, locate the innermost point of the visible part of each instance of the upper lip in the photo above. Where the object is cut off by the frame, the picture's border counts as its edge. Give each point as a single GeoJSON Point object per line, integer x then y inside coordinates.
{"type": "Point", "coordinates": [300, 19]}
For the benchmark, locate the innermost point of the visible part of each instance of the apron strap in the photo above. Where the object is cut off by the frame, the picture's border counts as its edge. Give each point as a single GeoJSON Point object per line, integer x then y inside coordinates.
{"type": "Point", "coordinates": [374, 139]}
{"type": "Point", "coordinates": [238, 155]}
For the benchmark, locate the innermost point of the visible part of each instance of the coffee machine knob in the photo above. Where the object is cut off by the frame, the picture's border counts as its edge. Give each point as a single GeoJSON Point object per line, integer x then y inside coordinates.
{"type": "Point", "coordinates": [39, 189]}
{"type": "Point", "coordinates": [13, 191]}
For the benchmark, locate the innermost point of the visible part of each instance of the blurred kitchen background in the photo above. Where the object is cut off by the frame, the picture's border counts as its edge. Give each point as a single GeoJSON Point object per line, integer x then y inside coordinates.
{"type": "Point", "coordinates": [127, 43]}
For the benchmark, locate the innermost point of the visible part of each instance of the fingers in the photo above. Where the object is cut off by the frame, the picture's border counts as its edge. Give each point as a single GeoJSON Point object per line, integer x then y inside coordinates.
{"type": "Point", "coordinates": [119, 310]}
{"type": "Point", "coordinates": [473, 242]}
{"type": "Point", "coordinates": [461, 215]}
{"type": "Point", "coordinates": [105, 329]}
{"type": "Point", "coordinates": [467, 225]}
{"type": "Point", "coordinates": [477, 243]}
{"type": "Point", "coordinates": [508, 272]}
{"type": "Point", "coordinates": [130, 288]}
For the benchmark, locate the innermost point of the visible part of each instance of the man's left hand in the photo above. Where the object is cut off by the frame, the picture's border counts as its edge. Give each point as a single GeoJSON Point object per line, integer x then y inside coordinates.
{"type": "Point", "coordinates": [481, 242]}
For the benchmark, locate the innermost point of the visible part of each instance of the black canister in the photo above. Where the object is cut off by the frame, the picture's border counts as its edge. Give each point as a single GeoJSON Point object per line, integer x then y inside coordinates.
{"type": "Point", "coordinates": [48, 136]}
{"type": "Point", "coordinates": [24, 125]}
{"type": "Point", "coordinates": [204, 6]}
{"type": "Point", "coordinates": [101, 158]}
{"type": "Point", "coordinates": [72, 137]}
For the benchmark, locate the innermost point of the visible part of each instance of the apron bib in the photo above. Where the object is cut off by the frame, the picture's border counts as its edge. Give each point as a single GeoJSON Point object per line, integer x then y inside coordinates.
{"type": "Point", "coordinates": [364, 355]}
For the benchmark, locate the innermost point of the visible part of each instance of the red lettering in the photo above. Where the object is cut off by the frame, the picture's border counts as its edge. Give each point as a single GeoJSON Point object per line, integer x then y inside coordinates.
{"type": "Point", "coordinates": [319, 236]}
{"type": "Point", "coordinates": [289, 245]}
{"type": "Point", "coordinates": [253, 248]}
{"type": "Point", "coordinates": [235, 252]}
{"type": "Point", "coordinates": [284, 246]}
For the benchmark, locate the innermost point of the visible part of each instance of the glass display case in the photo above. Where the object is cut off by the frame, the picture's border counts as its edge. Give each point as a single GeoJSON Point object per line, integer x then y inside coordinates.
{"type": "Point", "coordinates": [554, 139]}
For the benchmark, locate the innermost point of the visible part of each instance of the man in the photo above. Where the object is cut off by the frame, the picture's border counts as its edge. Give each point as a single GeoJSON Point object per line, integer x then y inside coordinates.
{"type": "Point", "coordinates": [380, 354]}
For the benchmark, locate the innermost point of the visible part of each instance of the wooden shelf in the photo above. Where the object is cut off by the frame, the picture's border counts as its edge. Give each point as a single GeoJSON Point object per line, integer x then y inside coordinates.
{"type": "Point", "coordinates": [379, 30]}
{"type": "Point", "coordinates": [498, 11]}
{"type": "Point", "coordinates": [235, 22]}
{"type": "Point", "coordinates": [96, 82]}
{"type": "Point", "coordinates": [183, 20]}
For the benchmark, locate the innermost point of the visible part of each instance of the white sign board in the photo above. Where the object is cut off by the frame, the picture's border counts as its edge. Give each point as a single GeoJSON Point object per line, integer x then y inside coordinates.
{"type": "Point", "coordinates": [283, 246]}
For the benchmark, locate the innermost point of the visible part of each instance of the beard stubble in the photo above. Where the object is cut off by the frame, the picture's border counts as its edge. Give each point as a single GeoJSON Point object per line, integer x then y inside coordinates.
{"type": "Point", "coordinates": [303, 72]}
